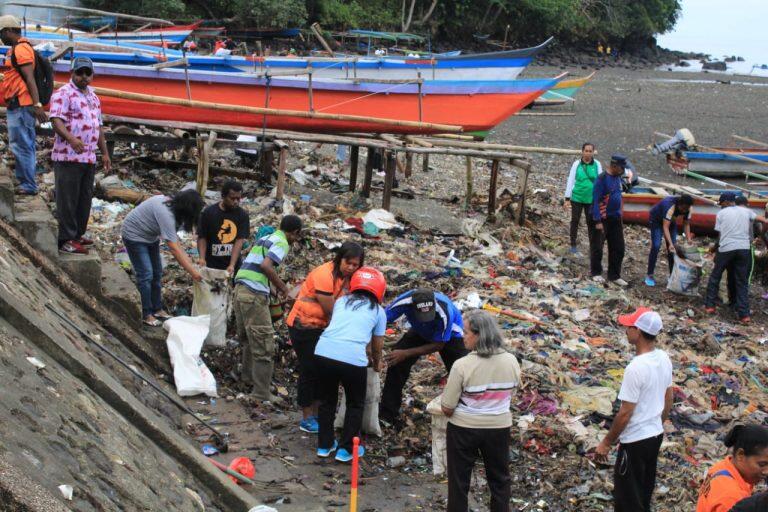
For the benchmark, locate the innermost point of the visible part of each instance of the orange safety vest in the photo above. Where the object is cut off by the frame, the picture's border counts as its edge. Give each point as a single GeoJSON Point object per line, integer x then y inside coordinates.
{"type": "Point", "coordinates": [722, 488]}
{"type": "Point", "coordinates": [307, 309]}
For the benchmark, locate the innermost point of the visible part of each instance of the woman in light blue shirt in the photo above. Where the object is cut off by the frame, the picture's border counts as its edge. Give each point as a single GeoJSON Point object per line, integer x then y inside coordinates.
{"type": "Point", "coordinates": [353, 340]}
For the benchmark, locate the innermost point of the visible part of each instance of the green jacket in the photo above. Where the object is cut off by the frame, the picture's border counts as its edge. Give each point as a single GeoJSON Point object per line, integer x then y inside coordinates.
{"type": "Point", "coordinates": [581, 179]}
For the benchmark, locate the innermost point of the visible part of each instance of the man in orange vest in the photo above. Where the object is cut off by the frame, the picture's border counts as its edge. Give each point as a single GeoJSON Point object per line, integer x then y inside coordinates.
{"type": "Point", "coordinates": [22, 101]}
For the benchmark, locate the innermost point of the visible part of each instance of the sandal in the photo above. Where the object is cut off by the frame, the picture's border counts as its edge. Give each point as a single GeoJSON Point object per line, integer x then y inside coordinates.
{"type": "Point", "coordinates": [162, 315]}
{"type": "Point", "coordinates": [152, 323]}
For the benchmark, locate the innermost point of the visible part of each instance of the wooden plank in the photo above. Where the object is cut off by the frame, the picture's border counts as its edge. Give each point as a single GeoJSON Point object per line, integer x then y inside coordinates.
{"type": "Point", "coordinates": [61, 52]}
{"type": "Point", "coordinates": [521, 192]}
{"type": "Point", "coordinates": [425, 162]}
{"type": "Point", "coordinates": [267, 161]}
{"type": "Point", "coordinates": [171, 64]}
{"type": "Point", "coordinates": [204, 146]}
{"type": "Point", "coordinates": [366, 192]}
{"type": "Point", "coordinates": [354, 158]}
{"type": "Point", "coordinates": [408, 164]}
{"type": "Point", "coordinates": [282, 162]}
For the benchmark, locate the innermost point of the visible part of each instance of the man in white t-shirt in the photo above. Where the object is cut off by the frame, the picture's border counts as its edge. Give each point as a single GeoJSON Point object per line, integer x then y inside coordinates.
{"type": "Point", "coordinates": [734, 224]}
{"type": "Point", "coordinates": [646, 398]}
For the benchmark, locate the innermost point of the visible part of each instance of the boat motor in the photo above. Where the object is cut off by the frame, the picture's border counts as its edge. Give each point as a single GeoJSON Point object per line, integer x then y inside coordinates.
{"type": "Point", "coordinates": [682, 140]}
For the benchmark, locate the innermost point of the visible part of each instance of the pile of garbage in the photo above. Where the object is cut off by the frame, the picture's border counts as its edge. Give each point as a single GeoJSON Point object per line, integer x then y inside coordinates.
{"type": "Point", "coordinates": [559, 324]}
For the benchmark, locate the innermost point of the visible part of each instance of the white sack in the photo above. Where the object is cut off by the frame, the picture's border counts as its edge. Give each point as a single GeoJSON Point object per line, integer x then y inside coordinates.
{"type": "Point", "coordinates": [685, 278]}
{"type": "Point", "coordinates": [212, 297]}
{"type": "Point", "coordinates": [371, 409]}
{"type": "Point", "coordinates": [186, 335]}
{"type": "Point", "coordinates": [439, 433]}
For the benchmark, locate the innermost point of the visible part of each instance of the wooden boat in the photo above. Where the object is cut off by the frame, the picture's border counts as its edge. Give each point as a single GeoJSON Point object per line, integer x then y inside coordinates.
{"type": "Point", "coordinates": [161, 36]}
{"type": "Point", "coordinates": [476, 106]}
{"type": "Point", "coordinates": [638, 204]}
{"type": "Point", "coordinates": [506, 65]}
{"type": "Point", "coordinates": [83, 43]}
{"type": "Point", "coordinates": [264, 33]}
{"type": "Point", "coordinates": [564, 92]}
{"type": "Point", "coordinates": [726, 162]}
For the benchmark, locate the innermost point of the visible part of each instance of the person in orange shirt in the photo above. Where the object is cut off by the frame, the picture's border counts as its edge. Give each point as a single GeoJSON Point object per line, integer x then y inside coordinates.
{"type": "Point", "coordinates": [733, 478]}
{"type": "Point", "coordinates": [22, 101]}
{"type": "Point", "coordinates": [309, 317]}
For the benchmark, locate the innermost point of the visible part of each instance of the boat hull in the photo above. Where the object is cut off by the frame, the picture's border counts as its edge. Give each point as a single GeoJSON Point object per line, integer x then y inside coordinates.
{"type": "Point", "coordinates": [638, 204]}
{"type": "Point", "coordinates": [566, 90]}
{"type": "Point", "coordinates": [476, 107]}
{"type": "Point", "coordinates": [725, 164]}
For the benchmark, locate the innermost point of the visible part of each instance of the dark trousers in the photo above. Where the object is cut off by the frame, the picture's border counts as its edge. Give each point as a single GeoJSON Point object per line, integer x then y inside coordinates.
{"type": "Point", "coordinates": [613, 233]}
{"type": "Point", "coordinates": [576, 211]}
{"type": "Point", "coordinates": [353, 379]}
{"type": "Point", "coordinates": [304, 342]}
{"type": "Point", "coordinates": [463, 445]}
{"type": "Point", "coordinates": [657, 238]}
{"type": "Point", "coordinates": [738, 264]}
{"type": "Point", "coordinates": [74, 191]}
{"type": "Point", "coordinates": [634, 475]}
{"type": "Point", "coordinates": [397, 375]}
{"type": "Point", "coordinates": [148, 270]}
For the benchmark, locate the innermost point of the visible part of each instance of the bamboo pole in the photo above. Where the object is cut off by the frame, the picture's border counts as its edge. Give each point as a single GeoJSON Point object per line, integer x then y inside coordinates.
{"type": "Point", "coordinates": [354, 158]}
{"type": "Point", "coordinates": [750, 141]}
{"type": "Point", "coordinates": [315, 28]}
{"type": "Point", "coordinates": [425, 162]}
{"type": "Point", "coordinates": [676, 188]}
{"type": "Point", "coordinates": [366, 192]}
{"type": "Point", "coordinates": [717, 182]}
{"type": "Point", "coordinates": [408, 164]}
{"type": "Point", "coordinates": [205, 143]}
{"type": "Point", "coordinates": [504, 147]}
{"type": "Point", "coordinates": [492, 191]}
{"type": "Point", "coordinates": [468, 196]}
{"type": "Point", "coordinates": [148, 98]}
{"type": "Point", "coordinates": [522, 191]}
{"type": "Point", "coordinates": [389, 180]}
{"type": "Point", "coordinates": [156, 21]}
{"type": "Point", "coordinates": [282, 162]}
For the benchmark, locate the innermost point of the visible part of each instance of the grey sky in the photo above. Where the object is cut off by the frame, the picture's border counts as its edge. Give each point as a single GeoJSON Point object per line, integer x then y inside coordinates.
{"type": "Point", "coordinates": [722, 27]}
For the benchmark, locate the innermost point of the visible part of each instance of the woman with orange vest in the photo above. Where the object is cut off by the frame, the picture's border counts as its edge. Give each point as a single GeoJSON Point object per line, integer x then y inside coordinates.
{"type": "Point", "coordinates": [733, 478]}
{"type": "Point", "coordinates": [310, 316]}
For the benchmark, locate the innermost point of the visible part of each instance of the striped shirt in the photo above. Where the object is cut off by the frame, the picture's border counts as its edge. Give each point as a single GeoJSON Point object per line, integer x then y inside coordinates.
{"type": "Point", "coordinates": [479, 389]}
{"type": "Point", "coordinates": [275, 247]}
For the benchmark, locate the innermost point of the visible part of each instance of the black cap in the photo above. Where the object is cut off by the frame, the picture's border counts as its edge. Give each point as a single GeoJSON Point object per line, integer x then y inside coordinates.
{"type": "Point", "coordinates": [82, 62]}
{"type": "Point", "coordinates": [619, 160]}
{"type": "Point", "coordinates": [727, 197]}
{"type": "Point", "coordinates": [423, 305]}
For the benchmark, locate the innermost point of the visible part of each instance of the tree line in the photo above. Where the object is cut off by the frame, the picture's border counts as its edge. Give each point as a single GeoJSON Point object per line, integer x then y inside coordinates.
{"type": "Point", "coordinates": [617, 22]}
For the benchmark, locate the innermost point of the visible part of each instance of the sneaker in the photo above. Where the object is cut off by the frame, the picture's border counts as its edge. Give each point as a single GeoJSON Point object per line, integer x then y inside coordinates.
{"type": "Point", "coordinates": [326, 452]}
{"type": "Point", "coordinates": [309, 425]}
{"type": "Point", "coordinates": [72, 247]}
{"type": "Point", "coordinates": [710, 310]}
{"type": "Point", "coordinates": [344, 456]}
{"type": "Point", "coordinates": [85, 241]}
{"type": "Point", "coordinates": [598, 279]}
{"type": "Point", "coordinates": [650, 281]}
{"type": "Point", "coordinates": [744, 320]}
{"type": "Point", "coordinates": [620, 282]}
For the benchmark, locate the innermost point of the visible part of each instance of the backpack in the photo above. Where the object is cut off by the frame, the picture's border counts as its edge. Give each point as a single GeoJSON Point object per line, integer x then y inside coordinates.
{"type": "Point", "coordinates": [43, 74]}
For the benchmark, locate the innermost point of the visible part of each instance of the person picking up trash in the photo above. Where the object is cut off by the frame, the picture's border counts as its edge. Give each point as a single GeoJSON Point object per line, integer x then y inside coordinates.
{"type": "Point", "coordinates": [224, 227]}
{"type": "Point", "coordinates": [606, 212]}
{"type": "Point", "coordinates": [663, 224]}
{"type": "Point", "coordinates": [252, 315]}
{"type": "Point", "coordinates": [352, 341]}
{"type": "Point", "coordinates": [477, 399]}
{"type": "Point", "coordinates": [734, 478]}
{"type": "Point", "coordinates": [435, 326]}
{"type": "Point", "coordinates": [309, 317]}
{"type": "Point", "coordinates": [646, 399]}
{"type": "Point", "coordinates": [578, 192]}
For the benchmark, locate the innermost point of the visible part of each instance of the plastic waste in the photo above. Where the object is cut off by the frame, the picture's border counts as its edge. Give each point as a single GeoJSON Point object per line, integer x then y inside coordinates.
{"type": "Point", "coordinates": [186, 335]}
{"type": "Point", "coordinates": [587, 399]}
{"type": "Point", "coordinates": [382, 219]}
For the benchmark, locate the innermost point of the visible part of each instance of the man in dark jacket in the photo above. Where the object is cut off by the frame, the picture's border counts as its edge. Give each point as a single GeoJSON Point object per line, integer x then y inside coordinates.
{"type": "Point", "coordinates": [606, 212]}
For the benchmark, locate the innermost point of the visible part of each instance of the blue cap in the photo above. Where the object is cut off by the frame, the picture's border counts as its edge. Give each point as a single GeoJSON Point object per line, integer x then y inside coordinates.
{"type": "Point", "coordinates": [82, 62]}
{"type": "Point", "coordinates": [619, 160]}
{"type": "Point", "coordinates": [727, 197]}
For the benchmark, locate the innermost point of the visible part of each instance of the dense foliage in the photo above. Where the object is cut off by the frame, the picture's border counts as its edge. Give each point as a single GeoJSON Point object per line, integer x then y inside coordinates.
{"type": "Point", "coordinates": [571, 21]}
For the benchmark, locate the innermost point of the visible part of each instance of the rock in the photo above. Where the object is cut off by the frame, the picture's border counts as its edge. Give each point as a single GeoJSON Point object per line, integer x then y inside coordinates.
{"type": "Point", "coordinates": [684, 64]}
{"type": "Point", "coordinates": [395, 462]}
{"type": "Point", "coordinates": [715, 65]}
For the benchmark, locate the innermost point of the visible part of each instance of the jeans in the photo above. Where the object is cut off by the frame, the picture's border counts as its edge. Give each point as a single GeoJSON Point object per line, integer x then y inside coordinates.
{"type": "Point", "coordinates": [613, 233]}
{"type": "Point", "coordinates": [21, 136]}
{"type": "Point", "coordinates": [634, 475]}
{"type": "Point", "coordinates": [576, 211]}
{"type": "Point", "coordinates": [738, 264]}
{"type": "Point", "coordinates": [74, 192]}
{"type": "Point", "coordinates": [354, 380]}
{"type": "Point", "coordinates": [304, 342]}
{"type": "Point", "coordinates": [148, 269]}
{"type": "Point", "coordinates": [397, 375]}
{"type": "Point", "coordinates": [657, 237]}
{"type": "Point", "coordinates": [463, 445]}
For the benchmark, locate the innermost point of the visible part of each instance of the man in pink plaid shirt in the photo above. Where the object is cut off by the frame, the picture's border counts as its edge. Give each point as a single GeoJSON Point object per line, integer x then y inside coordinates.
{"type": "Point", "coordinates": [75, 112]}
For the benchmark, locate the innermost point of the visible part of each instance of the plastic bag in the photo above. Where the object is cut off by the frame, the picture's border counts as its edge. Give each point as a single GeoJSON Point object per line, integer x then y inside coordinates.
{"type": "Point", "coordinates": [685, 277]}
{"type": "Point", "coordinates": [186, 335]}
{"type": "Point", "coordinates": [371, 410]}
{"type": "Point", "coordinates": [439, 433]}
{"type": "Point", "coordinates": [212, 297]}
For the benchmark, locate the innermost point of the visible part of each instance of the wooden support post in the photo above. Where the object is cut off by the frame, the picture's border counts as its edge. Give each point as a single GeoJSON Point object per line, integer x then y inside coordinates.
{"type": "Point", "coordinates": [522, 190]}
{"type": "Point", "coordinates": [205, 144]}
{"type": "Point", "coordinates": [492, 191]}
{"type": "Point", "coordinates": [389, 180]}
{"type": "Point", "coordinates": [468, 197]}
{"type": "Point", "coordinates": [425, 163]}
{"type": "Point", "coordinates": [354, 156]}
{"type": "Point", "coordinates": [281, 163]}
{"type": "Point", "coordinates": [267, 160]}
{"type": "Point", "coordinates": [366, 192]}
{"type": "Point", "coordinates": [408, 164]}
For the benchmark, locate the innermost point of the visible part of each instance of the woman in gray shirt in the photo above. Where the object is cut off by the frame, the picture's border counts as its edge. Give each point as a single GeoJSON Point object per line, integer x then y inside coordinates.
{"type": "Point", "coordinates": [157, 219]}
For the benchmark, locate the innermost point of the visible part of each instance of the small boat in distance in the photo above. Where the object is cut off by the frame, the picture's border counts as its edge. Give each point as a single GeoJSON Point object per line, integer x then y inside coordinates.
{"type": "Point", "coordinates": [564, 92]}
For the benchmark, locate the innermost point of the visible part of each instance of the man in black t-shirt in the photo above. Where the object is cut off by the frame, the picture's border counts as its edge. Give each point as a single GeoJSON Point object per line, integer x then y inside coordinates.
{"type": "Point", "coordinates": [223, 229]}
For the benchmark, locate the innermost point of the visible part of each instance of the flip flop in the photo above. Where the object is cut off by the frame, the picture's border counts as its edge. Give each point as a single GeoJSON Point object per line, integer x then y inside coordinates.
{"type": "Point", "coordinates": [152, 323]}
{"type": "Point", "coordinates": [162, 316]}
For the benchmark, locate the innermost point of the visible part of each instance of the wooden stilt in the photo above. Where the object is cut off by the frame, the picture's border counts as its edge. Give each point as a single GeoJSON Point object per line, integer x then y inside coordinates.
{"type": "Point", "coordinates": [389, 179]}
{"type": "Point", "coordinates": [492, 191]}
{"type": "Point", "coordinates": [366, 192]}
{"type": "Point", "coordinates": [425, 163]}
{"type": "Point", "coordinates": [281, 163]}
{"type": "Point", "coordinates": [205, 144]}
{"type": "Point", "coordinates": [523, 189]}
{"type": "Point", "coordinates": [468, 197]}
{"type": "Point", "coordinates": [267, 159]}
{"type": "Point", "coordinates": [408, 164]}
{"type": "Point", "coordinates": [354, 157]}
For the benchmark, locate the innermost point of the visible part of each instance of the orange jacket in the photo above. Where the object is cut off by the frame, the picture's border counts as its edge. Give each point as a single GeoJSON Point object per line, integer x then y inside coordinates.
{"type": "Point", "coordinates": [722, 488]}
{"type": "Point", "coordinates": [307, 309]}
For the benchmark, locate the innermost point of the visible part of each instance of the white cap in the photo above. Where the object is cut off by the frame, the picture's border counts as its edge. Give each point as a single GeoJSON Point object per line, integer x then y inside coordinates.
{"type": "Point", "coordinates": [644, 319]}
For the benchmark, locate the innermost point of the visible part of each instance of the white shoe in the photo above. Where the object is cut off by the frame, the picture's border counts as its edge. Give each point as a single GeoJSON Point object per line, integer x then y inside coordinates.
{"type": "Point", "coordinates": [620, 282]}
{"type": "Point", "coordinates": [598, 279]}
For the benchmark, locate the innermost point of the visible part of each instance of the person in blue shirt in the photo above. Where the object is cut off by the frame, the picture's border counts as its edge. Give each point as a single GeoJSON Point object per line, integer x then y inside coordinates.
{"type": "Point", "coordinates": [606, 212]}
{"type": "Point", "coordinates": [435, 326]}
{"type": "Point", "coordinates": [663, 224]}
